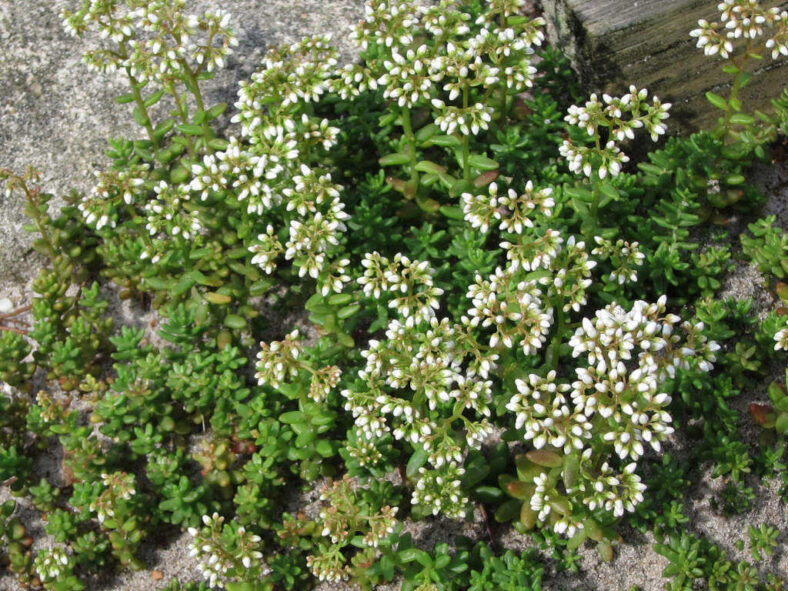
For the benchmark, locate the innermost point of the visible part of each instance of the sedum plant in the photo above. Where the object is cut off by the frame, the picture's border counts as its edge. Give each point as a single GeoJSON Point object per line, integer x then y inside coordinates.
{"type": "Point", "coordinates": [228, 553]}
{"type": "Point", "coordinates": [347, 518]}
{"type": "Point", "coordinates": [762, 31]}
{"type": "Point", "coordinates": [774, 415]}
{"type": "Point", "coordinates": [444, 368]}
{"type": "Point", "coordinates": [767, 247]}
{"type": "Point", "coordinates": [368, 274]}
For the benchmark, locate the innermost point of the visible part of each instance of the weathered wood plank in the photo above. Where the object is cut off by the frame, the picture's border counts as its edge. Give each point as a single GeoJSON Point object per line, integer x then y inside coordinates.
{"type": "Point", "coordinates": [614, 43]}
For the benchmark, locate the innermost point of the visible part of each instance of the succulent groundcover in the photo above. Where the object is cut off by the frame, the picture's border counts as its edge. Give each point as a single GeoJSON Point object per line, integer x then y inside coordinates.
{"type": "Point", "coordinates": [436, 284]}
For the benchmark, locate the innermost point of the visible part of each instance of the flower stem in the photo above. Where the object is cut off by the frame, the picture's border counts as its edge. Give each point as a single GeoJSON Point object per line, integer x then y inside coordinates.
{"type": "Point", "coordinates": [194, 87]}
{"type": "Point", "coordinates": [183, 113]}
{"type": "Point", "coordinates": [558, 337]}
{"type": "Point", "coordinates": [40, 220]}
{"type": "Point", "coordinates": [466, 152]}
{"type": "Point", "coordinates": [596, 196]}
{"type": "Point", "coordinates": [138, 100]}
{"type": "Point", "coordinates": [738, 83]}
{"type": "Point", "coordinates": [407, 128]}
{"type": "Point", "coordinates": [504, 106]}
{"type": "Point", "coordinates": [136, 87]}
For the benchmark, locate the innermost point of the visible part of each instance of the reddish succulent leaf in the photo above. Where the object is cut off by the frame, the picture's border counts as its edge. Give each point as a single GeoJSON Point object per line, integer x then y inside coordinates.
{"type": "Point", "coordinates": [407, 188]}
{"type": "Point", "coordinates": [520, 490]}
{"type": "Point", "coordinates": [527, 516]}
{"type": "Point", "coordinates": [546, 458]}
{"type": "Point", "coordinates": [782, 291]}
{"type": "Point", "coordinates": [762, 414]}
{"type": "Point", "coordinates": [485, 178]}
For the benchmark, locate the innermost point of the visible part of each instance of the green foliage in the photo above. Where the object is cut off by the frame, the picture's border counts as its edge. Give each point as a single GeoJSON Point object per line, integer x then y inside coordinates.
{"type": "Point", "coordinates": [694, 559]}
{"type": "Point", "coordinates": [774, 415]}
{"type": "Point", "coordinates": [45, 496]}
{"type": "Point", "coordinates": [508, 572]}
{"type": "Point", "coordinates": [763, 541]}
{"type": "Point", "coordinates": [16, 543]}
{"type": "Point", "coordinates": [685, 558]}
{"type": "Point", "coordinates": [389, 265]}
{"type": "Point", "coordinates": [767, 247]}
{"type": "Point", "coordinates": [780, 118]}
{"type": "Point", "coordinates": [13, 351]}
{"type": "Point", "coordinates": [13, 417]}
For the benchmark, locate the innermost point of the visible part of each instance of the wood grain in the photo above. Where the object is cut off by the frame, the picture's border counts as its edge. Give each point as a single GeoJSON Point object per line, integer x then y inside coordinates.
{"type": "Point", "coordinates": [615, 43]}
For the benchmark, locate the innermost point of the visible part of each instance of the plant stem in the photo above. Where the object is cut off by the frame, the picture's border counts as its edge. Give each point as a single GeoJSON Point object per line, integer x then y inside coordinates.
{"type": "Point", "coordinates": [407, 128]}
{"type": "Point", "coordinates": [16, 312]}
{"type": "Point", "coordinates": [138, 100]}
{"type": "Point", "coordinates": [504, 109]}
{"type": "Point", "coordinates": [596, 195]}
{"type": "Point", "coordinates": [136, 86]}
{"type": "Point", "coordinates": [558, 337]}
{"type": "Point", "coordinates": [183, 113]}
{"type": "Point", "coordinates": [194, 87]}
{"type": "Point", "coordinates": [736, 86]}
{"type": "Point", "coordinates": [466, 140]}
{"type": "Point", "coordinates": [504, 104]}
{"type": "Point", "coordinates": [32, 196]}
{"type": "Point", "coordinates": [594, 217]}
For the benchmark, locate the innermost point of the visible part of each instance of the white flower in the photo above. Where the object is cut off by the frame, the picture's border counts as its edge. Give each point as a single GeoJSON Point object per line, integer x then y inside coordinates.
{"type": "Point", "coordinates": [781, 338]}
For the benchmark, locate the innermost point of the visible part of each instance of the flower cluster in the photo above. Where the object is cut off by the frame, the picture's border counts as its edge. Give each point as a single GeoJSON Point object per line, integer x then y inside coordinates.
{"type": "Point", "coordinates": [343, 515]}
{"type": "Point", "coordinates": [459, 56]}
{"type": "Point", "coordinates": [294, 208]}
{"type": "Point", "coordinates": [266, 250]}
{"type": "Point", "coordinates": [620, 117]}
{"type": "Point", "coordinates": [227, 552]}
{"type": "Point", "coordinates": [279, 362]}
{"type": "Point", "coordinates": [51, 564]}
{"type": "Point", "coordinates": [346, 518]}
{"type": "Point", "coordinates": [629, 354]}
{"type": "Point", "coordinates": [323, 381]}
{"type": "Point", "coordinates": [415, 386]}
{"type": "Point", "coordinates": [113, 190]}
{"type": "Point", "coordinates": [431, 376]}
{"type": "Point", "coordinates": [168, 213]}
{"type": "Point", "coordinates": [156, 39]}
{"type": "Point", "coordinates": [469, 120]}
{"type": "Point", "coordinates": [263, 174]}
{"type": "Point", "coordinates": [613, 491]}
{"type": "Point", "coordinates": [119, 487]}
{"type": "Point", "coordinates": [518, 312]}
{"type": "Point", "coordinates": [329, 566]}
{"type": "Point", "coordinates": [781, 339]}
{"type": "Point", "coordinates": [743, 19]}
{"type": "Point", "coordinates": [513, 212]}
{"type": "Point", "coordinates": [289, 75]}
{"type": "Point", "coordinates": [624, 257]}
{"type": "Point", "coordinates": [365, 451]}
{"type": "Point", "coordinates": [410, 282]}
{"type": "Point", "coordinates": [441, 491]}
